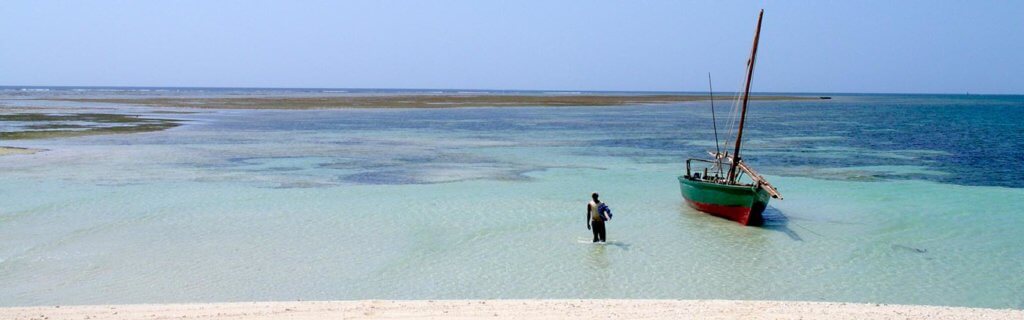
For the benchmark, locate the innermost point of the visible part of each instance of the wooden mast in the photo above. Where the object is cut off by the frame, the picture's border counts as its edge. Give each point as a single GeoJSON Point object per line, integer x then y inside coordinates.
{"type": "Point", "coordinates": [746, 96]}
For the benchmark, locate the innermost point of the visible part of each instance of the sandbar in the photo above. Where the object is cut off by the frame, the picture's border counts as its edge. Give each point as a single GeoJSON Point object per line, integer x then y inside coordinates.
{"type": "Point", "coordinates": [16, 150]}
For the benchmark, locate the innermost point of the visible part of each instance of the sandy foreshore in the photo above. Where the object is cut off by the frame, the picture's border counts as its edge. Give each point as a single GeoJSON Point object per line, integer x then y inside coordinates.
{"type": "Point", "coordinates": [510, 309]}
{"type": "Point", "coordinates": [411, 101]}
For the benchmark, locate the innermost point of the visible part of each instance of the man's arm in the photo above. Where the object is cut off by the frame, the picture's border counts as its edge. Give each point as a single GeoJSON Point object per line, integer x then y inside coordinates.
{"type": "Point", "coordinates": [588, 216]}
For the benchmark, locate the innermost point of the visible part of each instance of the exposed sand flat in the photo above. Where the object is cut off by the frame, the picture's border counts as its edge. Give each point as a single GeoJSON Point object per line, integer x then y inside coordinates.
{"type": "Point", "coordinates": [15, 150]}
{"type": "Point", "coordinates": [410, 101]}
{"type": "Point", "coordinates": [511, 309]}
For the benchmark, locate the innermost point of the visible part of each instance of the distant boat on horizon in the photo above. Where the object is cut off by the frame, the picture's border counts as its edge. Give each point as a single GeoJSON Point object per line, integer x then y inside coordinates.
{"type": "Point", "coordinates": [720, 192]}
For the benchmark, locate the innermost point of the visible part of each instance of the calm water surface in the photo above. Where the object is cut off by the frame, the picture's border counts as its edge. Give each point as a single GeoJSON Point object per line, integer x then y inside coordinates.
{"type": "Point", "coordinates": [889, 199]}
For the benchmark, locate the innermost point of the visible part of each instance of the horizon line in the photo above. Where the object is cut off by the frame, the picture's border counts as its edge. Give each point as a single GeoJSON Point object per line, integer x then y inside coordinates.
{"type": "Point", "coordinates": [491, 90]}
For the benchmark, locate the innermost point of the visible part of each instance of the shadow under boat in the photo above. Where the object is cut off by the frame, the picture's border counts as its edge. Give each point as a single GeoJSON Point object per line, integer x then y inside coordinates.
{"type": "Point", "coordinates": [775, 220]}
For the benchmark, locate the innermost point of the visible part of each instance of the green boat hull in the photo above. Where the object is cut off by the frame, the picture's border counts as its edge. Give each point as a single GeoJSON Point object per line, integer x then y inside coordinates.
{"type": "Point", "coordinates": [741, 203]}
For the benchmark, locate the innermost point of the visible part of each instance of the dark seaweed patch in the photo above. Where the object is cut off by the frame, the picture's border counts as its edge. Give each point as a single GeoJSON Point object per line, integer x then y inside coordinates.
{"type": "Point", "coordinates": [45, 125]}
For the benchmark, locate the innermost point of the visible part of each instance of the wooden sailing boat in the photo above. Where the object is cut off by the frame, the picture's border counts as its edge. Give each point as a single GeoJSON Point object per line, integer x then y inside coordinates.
{"type": "Point", "coordinates": [722, 193]}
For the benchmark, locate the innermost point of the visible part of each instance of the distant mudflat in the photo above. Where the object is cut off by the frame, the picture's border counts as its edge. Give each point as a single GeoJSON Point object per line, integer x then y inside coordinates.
{"type": "Point", "coordinates": [510, 309]}
{"type": "Point", "coordinates": [410, 101]}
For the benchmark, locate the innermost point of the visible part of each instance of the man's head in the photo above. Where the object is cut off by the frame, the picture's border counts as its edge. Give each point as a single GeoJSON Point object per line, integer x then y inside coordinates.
{"type": "Point", "coordinates": [594, 195]}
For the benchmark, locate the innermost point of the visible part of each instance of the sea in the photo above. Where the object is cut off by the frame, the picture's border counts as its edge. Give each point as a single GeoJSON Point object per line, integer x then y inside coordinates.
{"type": "Point", "coordinates": [888, 198]}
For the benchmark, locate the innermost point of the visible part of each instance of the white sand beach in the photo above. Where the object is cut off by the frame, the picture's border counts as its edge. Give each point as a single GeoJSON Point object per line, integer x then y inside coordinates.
{"type": "Point", "coordinates": [509, 309]}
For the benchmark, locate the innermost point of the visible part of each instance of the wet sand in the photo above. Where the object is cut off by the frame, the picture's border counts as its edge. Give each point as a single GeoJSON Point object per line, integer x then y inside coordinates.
{"type": "Point", "coordinates": [510, 309]}
{"type": "Point", "coordinates": [410, 101]}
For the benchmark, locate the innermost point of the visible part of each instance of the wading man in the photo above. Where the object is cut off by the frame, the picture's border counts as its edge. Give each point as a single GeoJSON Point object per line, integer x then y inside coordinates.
{"type": "Point", "coordinates": [596, 218]}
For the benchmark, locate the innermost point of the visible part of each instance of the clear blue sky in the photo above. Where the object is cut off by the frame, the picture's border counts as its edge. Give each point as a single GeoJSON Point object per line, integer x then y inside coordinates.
{"type": "Point", "coordinates": [807, 46]}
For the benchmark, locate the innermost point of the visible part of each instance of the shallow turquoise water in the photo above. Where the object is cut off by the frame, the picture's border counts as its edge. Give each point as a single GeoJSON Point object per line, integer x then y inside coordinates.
{"type": "Point", "coordinates": [488, 203]}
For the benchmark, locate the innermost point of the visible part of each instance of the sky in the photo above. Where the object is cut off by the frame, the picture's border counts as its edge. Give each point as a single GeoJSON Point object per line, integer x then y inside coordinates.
{"type": "Point", "coordinates": [806, 46]}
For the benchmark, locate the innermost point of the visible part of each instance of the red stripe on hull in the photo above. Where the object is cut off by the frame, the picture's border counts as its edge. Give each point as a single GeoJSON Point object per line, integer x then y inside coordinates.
{"type": "Point", "coordinates": [735, 213]}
